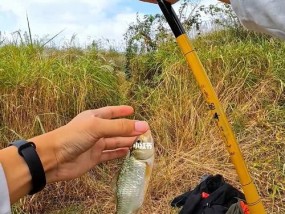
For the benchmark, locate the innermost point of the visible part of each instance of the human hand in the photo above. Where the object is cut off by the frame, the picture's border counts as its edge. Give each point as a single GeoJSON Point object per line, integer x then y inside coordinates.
{"type": "Point", "coordinates": [90, 138]}
{"type": "Point", "coordinates": [225, 1]}
{"type": "Point", "coordinates": [174, 1]}
{"type": "Point", "coordinates": [155, 2]}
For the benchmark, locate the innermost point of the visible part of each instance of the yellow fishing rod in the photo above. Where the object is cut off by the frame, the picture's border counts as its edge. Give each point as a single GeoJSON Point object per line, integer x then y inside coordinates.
{"type": "Point", "coordinates": [252, 197]}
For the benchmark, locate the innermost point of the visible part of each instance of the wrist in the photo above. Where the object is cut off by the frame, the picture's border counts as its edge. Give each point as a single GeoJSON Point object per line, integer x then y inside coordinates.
{"type": "Point", "coordinates": [18, 176]}
{"type": "Point", "coordinates": [27, 150]}
{"type": "Point", "coordinates": [46, 144]}
{"type": "Point", "coordinates": [17, 173]}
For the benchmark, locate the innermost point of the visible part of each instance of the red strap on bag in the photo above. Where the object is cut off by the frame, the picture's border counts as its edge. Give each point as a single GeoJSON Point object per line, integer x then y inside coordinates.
{"type": "Point", "coordinates": [244, 207]}
{"type": "Point", "coordinates": [205, 195]}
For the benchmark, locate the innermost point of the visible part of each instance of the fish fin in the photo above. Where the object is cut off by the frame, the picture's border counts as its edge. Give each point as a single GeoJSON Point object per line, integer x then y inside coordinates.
{"type": "Point", "coordinates": [128, 155]}
{"type": "Point", "coordinates": [114, 184]}
{"type": "Point", "coordinates": [114, 181]}
{"type": "Point", "coordinates": [148, 172]}
{"type": "Point", "coordinates": [148, 169]}
{"type": "Point", "coordinates": [137, 211]}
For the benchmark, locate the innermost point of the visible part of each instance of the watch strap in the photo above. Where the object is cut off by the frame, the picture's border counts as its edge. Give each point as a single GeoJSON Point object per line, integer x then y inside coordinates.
{"type": "Point", "coordinates": [28, 151]}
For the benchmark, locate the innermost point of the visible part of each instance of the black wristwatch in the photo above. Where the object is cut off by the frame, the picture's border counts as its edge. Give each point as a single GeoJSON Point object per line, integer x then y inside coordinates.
{"type": "Point", "coordinates": [28, 151]}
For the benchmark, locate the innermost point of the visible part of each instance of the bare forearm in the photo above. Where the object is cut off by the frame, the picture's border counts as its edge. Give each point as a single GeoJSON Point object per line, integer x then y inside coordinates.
{"type": "Point", "coordinates": [16, 170]}
{"type": "Point", "coordinates": [17, 173]}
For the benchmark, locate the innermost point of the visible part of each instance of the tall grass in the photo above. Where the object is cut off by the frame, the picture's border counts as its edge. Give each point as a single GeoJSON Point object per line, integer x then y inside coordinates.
{"type": "Point", "coordinates": [50, 84]}
{"type": "Point", "coordinates": [42, 89]}
{"type": "Point", "coordinates": [247, 73]}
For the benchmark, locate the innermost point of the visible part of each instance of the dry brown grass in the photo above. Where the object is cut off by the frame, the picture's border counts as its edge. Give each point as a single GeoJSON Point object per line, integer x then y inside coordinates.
{"type": "Point", "coordinates": [188, 144]}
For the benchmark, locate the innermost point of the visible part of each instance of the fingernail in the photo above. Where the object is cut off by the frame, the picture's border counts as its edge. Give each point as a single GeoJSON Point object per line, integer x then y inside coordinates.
{"type": "Point", "coordinates": [141, 126]}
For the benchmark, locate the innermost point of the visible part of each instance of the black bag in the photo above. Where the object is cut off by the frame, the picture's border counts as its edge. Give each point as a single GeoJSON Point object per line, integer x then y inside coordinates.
{"type": "Point", "coordinates": [212, 196]}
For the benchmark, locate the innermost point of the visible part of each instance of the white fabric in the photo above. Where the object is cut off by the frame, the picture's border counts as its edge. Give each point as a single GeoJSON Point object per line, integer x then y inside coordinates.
{"type": "Point", "coordinates": [5, 207]}
{"type": "Point", "coordinates": [267, 16]}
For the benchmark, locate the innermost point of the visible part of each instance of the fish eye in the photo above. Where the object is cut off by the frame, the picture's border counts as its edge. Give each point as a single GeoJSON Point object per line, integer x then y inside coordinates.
{"type": "Point", "coordinates": [138, 141]}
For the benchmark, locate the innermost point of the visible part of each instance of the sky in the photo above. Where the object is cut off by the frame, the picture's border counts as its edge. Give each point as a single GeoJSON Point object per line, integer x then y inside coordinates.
{"type": "Point", "coordinates": [89, 20]}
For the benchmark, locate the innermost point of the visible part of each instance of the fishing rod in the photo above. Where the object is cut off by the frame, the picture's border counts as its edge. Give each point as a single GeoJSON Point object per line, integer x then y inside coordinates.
{"type": "Point", "coordinates": [252, 197]}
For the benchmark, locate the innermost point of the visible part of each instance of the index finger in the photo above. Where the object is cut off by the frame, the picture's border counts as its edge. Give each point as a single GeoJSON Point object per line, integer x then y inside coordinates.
{"type": "Point", "coordinates": [110, 112]}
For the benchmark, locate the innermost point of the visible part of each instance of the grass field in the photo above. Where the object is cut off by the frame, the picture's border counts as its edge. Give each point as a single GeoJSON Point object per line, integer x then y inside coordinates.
{"type": "Point", "coordinates": [41, 89]}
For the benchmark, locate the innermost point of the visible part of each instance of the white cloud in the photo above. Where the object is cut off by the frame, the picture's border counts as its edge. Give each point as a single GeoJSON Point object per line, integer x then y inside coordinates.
{"type": "Point", "coordinates": [88, 19]}
{"type": "Point", "coordinates": [85, 18]}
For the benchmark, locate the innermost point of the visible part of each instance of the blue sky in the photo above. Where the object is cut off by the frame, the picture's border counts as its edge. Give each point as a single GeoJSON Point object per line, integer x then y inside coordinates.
{"type": "Point", "coordinates": [88, 19]}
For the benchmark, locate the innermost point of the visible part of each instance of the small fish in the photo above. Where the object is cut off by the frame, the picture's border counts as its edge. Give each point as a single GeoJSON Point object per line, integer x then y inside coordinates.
{"type": "Point", "coordinates": [134, 175]}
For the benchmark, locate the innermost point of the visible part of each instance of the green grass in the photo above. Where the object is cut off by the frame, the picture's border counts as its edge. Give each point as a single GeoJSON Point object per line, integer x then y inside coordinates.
{"type": "Point", "coordinates": [47, 84]}
{"type": "Point", "coordinates": [41, 89]}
